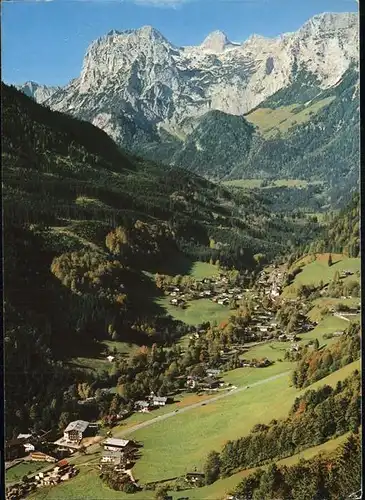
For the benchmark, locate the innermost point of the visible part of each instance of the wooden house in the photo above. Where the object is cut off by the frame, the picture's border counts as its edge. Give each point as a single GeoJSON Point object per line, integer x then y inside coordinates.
{"type": "Point", "coordinates": [159, 401]}
{"type": "Point", "coordinates": [114, 444]}
{"type": "Point", "coordinates": [76, 431]}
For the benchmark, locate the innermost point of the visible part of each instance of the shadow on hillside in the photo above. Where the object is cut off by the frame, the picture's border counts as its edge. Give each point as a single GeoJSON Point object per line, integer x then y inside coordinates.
{"type": "Point", "coordinates": [177, 264]}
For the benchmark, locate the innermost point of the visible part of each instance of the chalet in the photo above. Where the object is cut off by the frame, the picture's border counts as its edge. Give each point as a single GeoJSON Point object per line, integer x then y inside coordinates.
{"type": "Point", "coordinates": [105, 390]}
{"type": "Point", "coordinates": [38, 456]}
{"type": "Point", "coordinates": [210, 383]}
{"type": "Point", "coordinates": [14, 449]}
{"type": "Point", "coordinates": [123, 413]}
{"type": "Point", "coordinates": [193, 477]}
{"type": "Point", "coordinates": [113, 444]}
{"type": "Point", "coordinates": [25, 436]}
{"type": "Point", "coordinates": [28, 447]}
{"type": "Point", "coordinates": [213, 372]}
{"type": "Point", "coordinates": [159, 401]}
{"type": "Point", "coordinates": [75, 431]}
{"type": "Point", "coordinates": [191, 382]}
{"type": "Point", "coordinates": [142, 406]}
{"type": "Point", "coordinates": [263, 363]}
{"type": "Point", "coordinates": [111, 457]}
{"type": "Point", "coordinates": [87, 401]}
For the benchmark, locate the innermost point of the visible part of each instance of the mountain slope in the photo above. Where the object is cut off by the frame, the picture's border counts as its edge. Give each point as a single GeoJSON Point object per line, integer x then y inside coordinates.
{"type": "Point", "coordinates": [39, 93]}
{"type": "Point", "coordinates": [218, 143]}
{"type": "Point", "coordinates": [83, 220]}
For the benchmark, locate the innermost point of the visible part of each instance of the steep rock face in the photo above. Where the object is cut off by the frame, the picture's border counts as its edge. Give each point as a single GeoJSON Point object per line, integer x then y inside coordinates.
{"type": "Point", "coordinates": [139, 77]}
{"type": "Point", "coordinates": [39, 93]}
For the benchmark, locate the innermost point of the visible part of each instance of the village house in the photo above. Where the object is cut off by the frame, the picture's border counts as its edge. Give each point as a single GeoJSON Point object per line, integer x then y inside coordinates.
{"type": "Point", "coordinates": [210, 383]}
{"type": "Point", "coordinates": [114, 444]}
{"type": "Point", "coordinates": [213, 372]}
{"type": "Point", "coordinates": [159, 401]}
{"type": "Point", "coordinates": [142, 406]}
{"type": "Point", "coordinates": [38, 456]}
{"type": "Point", "coordinates": [87, 401]}
{"type": "Point", "coordinates": [338, 334]}
{"type": "Point", "coordinates": [75, 431]}
{"type": "Point", "coordinates": [193, 477]}
{"type": "Point", "coordinates": [111, 457]}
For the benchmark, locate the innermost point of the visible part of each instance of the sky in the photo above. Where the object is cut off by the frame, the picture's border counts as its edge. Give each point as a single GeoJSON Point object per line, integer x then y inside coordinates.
{"type": "Point", "coordinates": [45, 41]}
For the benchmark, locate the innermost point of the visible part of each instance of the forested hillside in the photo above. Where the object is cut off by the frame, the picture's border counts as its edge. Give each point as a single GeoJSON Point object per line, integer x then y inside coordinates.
{"type": "Point", "coordinates": [82, 220]}
{"type": "Point", "coordinates": [301, 132]}
{"type": "Point", "coordinates": [342, 233]}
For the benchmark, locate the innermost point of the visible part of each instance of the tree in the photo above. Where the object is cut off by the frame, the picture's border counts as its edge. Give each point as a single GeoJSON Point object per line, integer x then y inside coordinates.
{"type": "Point", "coordinates": [329, 262]}
{"type": "Point", "coordinates": [212, 467]}
{"type": "Point", "coordinates": [162, 493]}
{"type": "Point", "coordinates": [316, 345]}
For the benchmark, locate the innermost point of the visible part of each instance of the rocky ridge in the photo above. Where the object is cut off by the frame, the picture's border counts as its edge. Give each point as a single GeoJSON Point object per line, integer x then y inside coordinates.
{"type": "Point", "coordinates": [134, 82]}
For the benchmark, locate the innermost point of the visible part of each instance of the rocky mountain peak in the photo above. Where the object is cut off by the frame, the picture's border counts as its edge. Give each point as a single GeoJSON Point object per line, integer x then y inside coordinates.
{"type": "Point", "coordinates": [37, 91]}
{"type": "Point", "coordinates": [140, 76]}
{"type": "Point", "coordinates": [216, 41]}
{"type": "Point", "coordinates": [330, 22]}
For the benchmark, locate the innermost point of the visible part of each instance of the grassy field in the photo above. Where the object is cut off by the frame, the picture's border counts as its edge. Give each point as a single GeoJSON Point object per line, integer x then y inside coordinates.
{"type": "Point", "coordinates": [317, 271]}
{"type": "Point", "coordinates": [198, 311]}
{"type": "Point", "coordinates": [270, 121]}
{"type": "Point", "coordinates": [318, 304]}
{"type": "Point", "coordinates": [88, 485]}
{"type": "Point", "coordinates": [18, 471]}
{"type": "Point", "coordinates": [200, 270]}
{"type": "Point", "coordinates": [257, 183]}
{"type": "Point", "coordinates": [166, 454]}
{"type": "Point", "coordinates": [125, 348]}
{"type": "Point", "coordinates": [224, 486]}
{"type": "Point", "coordinates": [91, 364]}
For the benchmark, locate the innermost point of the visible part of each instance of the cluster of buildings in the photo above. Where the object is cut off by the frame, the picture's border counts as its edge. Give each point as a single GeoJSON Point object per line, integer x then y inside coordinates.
{"type": "Point", "coordinates": [273, 282]}
{"type": "Point", "coordinates": [32, 447]}
{"type": "Point", "coordinates": [151, 402]}
{"type": "Point", "coordinates": [217, 289]}
{"type": "Point", "coordinates": [63, 471]}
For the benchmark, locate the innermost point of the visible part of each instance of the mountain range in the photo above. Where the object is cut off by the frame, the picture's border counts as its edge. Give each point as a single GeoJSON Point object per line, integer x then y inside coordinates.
{"type": "Point", "coordinates": [267, 107]}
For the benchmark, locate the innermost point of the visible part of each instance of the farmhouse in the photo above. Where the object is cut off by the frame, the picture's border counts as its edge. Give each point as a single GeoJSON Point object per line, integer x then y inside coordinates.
{"type": "Point", "coordinates": [143, 406]}
{"type": "Point", "coordinates": [38, 456]}
{"type": "Point", "coordinates": [111, 457]}
{"type": "Point", "coordinates": [210, 383]}
{"type": "Point", "coordinates": [159, 401]}
{"type": "Point", "coordinates": [193, 477]}
{"type": "Point", "coordinates": [113, 444]}
{"type": "Point", "coordinates": [213, 372]}
{"type": "Point", "coordinates": [75, 431]}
